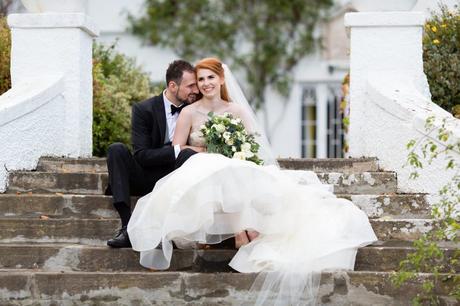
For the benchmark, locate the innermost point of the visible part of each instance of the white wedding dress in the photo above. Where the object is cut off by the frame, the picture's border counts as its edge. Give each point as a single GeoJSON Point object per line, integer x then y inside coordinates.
{"type": "Point", "coordinates": [304, 228]}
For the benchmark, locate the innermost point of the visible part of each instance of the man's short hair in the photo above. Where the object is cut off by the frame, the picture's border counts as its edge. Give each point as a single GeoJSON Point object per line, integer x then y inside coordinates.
{"type": "Point", "coordinates": [176, 69]}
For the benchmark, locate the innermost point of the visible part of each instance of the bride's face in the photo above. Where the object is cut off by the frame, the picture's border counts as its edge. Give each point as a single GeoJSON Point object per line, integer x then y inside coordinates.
{"type": "Point", "coordinates": [209, 83]}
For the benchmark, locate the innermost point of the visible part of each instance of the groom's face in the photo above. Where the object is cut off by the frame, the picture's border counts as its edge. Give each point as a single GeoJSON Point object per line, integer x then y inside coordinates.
{"type": "Point", "coordinates": [187, 91]}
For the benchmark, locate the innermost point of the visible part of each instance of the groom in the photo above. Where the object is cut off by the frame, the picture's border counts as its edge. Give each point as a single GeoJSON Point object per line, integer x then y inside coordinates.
{"type": "Point", "coordinates": [153, 124]}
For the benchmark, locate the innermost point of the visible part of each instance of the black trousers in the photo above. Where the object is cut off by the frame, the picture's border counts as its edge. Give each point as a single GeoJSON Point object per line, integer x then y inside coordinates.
{"type": "Point", "coordinates": [128, 178]}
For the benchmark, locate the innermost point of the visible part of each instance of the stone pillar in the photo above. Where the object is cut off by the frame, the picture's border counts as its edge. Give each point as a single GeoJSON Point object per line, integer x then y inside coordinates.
{"type": "Point", "coordinates": [390, 100]}
{"type": "Point", "coordinates": [382, 43]}
{"type": "Point", "coordinates": [58, 45]}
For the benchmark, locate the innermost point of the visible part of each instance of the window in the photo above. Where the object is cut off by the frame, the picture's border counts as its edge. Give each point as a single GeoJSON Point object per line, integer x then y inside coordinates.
{"type": "Point", "coordinates": [335, 135]}
{"type": "Point", "coordinates": [322, 127]}
{"type": "Point", "coordinates": [309, 122]}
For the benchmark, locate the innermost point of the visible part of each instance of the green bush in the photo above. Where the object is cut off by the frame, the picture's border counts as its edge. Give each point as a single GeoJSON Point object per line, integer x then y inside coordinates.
{"type": "Point", "coordinates": [5, 48]}
{"type": "Point", "coordinates": [117, 84]}
{"type": "Point", "coordinates": [441, 55]}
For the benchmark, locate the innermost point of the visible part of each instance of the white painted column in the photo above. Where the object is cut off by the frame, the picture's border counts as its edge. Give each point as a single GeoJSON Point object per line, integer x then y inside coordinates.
{"type": "Point", "coordinates": [51, 45]}
{"type": "Point", "coordinates": [381, 43]}
{"type": "Point", "coordinates": [389, 97]}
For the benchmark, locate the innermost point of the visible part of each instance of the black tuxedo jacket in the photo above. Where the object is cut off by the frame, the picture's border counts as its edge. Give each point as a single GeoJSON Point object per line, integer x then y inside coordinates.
{"type": "Point", "coordinates": [148, 128]}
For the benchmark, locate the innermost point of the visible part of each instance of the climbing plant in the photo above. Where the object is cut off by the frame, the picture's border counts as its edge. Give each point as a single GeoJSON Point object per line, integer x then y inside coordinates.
{"type": "Point", "coordinates": [429, 256]}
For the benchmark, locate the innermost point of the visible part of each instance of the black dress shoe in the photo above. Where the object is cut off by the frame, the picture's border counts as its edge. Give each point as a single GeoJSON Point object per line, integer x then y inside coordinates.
{"type": "Point", "coordinates": [121, 239]}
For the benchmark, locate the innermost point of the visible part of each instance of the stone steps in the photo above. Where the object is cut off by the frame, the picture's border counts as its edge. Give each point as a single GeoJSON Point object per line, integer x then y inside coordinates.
{"type": "Point", "coordinates": [54, 223]}
{"type": "Point", "coordinates": [97, 231]}
{"type": "Point", "coordinates": [178, 288]}
{"type": "Point", "coordinates": [381, 256]}
{"type": "Point", "coordinates": [349, 165]}
{"type": "Point", "coordinates": [95, 183]}
{"type": "Point", "coordinates": [99, 206]}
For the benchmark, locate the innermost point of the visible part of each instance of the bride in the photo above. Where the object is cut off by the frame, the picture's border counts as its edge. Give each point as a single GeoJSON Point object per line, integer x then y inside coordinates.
{"type": "Point", "coordinates": [291, 227]}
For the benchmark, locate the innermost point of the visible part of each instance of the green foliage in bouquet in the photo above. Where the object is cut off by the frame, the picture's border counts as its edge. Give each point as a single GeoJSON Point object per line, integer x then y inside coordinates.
{"type": "Point", "coordinates": [226, 135]}
{"type": "Point", "coordinates": [5, 49]}
{"type": "Point", "coordinates": [441, 56]}
{"type": "Point", "coordinates": [117, 84]}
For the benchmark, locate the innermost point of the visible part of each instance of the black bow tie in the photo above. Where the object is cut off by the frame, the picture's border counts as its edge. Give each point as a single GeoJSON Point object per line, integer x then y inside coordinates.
{"type": "Point", "coordinates": [175, 109]}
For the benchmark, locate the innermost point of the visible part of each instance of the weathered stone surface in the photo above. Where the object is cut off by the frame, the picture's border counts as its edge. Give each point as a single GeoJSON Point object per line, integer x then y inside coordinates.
{"type": "Point", "coordinates": [49, 182]}
{"type": "Point", "coordinates": [348, 165]}
{"type": "Point", "coordinates": [344, 165]}
{"type": "Point", "coordinates": [86, 231]}
{"type": "Point", "coordinates": [96, 183]}
{"type": "Point", "coordinates": [392, 205]}
{"type": "Point", "coordinates": [54, 164]}
{"type": "Point", "coordinates": [386, 255]}
{"type": "Point", "coordinates": [361, 183]}
{"type": "Point", "coordinates": [97, 231]}
{"type": "Point", "coordinates": [177, 288]}
{"type": "Point", "coordinates": [99, 206]}
{"type": "Point", "coordinates": [57, 205]}
{"type": "Point", "coordinates": [382, 256]}
{"type": "Point", "coordinates": [401, 229]}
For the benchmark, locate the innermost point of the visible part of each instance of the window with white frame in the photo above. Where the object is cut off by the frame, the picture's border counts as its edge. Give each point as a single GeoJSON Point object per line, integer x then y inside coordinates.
{"type": "Point", "coordinates": [322, 127]}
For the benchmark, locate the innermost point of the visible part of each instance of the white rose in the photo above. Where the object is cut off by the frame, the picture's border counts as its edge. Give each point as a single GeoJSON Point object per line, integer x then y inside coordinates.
{"type": "Point", "coordinates": [234, 121]}
{"type": "Point", "coordinates": [233, 149]}
{"type": "Point", "coordinates": [230, 142]}
{"type": "Point", "coordinates": [239, 155]}
{"type": "Point", "coordinates": [246, 147]}
{"type": "Point", "coordinates": [220, 128]}
{"type": "Point", "coordinates": [226, 135]}
{"type": "Point", "coordinates": [248, 154]}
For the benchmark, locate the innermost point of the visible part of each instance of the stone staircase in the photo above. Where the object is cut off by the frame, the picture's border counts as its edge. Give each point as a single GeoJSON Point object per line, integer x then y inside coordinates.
{"type": "Point", "coordinates": [54, 223]}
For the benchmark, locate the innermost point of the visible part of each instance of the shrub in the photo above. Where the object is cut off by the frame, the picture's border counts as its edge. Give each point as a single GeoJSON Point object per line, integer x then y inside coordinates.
{"type": "Point", "coordinates": [441, 55]}
{"type": "Point", "coordinates": [117, 84]}
{"type": "Point", "coordinates": [5, 48]}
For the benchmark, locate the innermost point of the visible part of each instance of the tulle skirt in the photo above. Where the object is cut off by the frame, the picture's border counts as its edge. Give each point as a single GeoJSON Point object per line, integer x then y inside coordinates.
{"type": "Point", "coordinates": [304, 229]}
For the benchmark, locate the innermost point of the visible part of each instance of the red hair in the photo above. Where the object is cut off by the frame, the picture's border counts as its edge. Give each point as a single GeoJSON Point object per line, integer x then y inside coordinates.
{"type": "Point", "coordinates": [215, 66]}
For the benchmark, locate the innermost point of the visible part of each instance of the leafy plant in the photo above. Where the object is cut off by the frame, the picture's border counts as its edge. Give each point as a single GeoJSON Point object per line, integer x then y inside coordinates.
{"type": "Point", "coordinates": [428, 255]}
{"type": "Point", "coordinates": [441, 56]}
{"type": "Point", "coordinates": [5, 50]}
{"type": "Point", "coordinates": [117, 84]}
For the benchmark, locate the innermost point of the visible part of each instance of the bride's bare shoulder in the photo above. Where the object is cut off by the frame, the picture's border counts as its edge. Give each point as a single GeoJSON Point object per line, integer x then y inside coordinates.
{"type": "Point", "coordinates": [236, 109]}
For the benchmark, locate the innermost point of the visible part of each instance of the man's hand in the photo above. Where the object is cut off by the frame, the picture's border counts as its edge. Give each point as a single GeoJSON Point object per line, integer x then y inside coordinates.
{"type": "Point", "coordinates": [194, 148]}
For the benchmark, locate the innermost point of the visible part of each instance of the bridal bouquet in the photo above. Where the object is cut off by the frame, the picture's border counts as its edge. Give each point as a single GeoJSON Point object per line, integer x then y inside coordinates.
{"type": "Point", "coordinates": [226, 135]}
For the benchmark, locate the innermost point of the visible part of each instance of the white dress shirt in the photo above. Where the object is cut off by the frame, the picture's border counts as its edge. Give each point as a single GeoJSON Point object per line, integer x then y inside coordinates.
{"type": "Point", "coordinates": [171, 121]}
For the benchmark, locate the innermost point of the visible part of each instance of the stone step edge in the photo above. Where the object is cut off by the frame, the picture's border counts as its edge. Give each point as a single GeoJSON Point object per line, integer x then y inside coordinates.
{"type": "Point", "coordinates": [25, 219]}
{"type": "Point", "coordinates": [103, 159]}
{"type": "Point", "coordinates": [179, 287]}
{"type": "Point", "coordinates": [35, 172]}
{"type": "Point", "coordinates": [388, 244]}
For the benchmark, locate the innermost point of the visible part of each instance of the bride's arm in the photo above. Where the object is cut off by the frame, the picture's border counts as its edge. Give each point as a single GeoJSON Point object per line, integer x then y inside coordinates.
{"type": "Point", "coordinates": [183, 127]}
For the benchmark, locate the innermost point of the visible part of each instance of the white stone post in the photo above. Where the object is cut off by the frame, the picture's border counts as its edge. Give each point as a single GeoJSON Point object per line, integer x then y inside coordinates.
{"type": "Point", "coordinates": [380, 43]}
{"type": "Point", "coordinates": [51, 45]}
{"type": "Point", "coordinates": [389, 96]}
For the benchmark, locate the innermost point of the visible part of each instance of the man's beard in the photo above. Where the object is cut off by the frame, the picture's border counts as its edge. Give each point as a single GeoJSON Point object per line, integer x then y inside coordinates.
{"type": "Point", "coordinates": [188, 100]}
